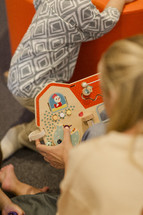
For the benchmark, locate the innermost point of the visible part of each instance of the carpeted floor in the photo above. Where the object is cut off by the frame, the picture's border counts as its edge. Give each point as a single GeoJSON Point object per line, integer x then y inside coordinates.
{"type": "Point", "coordinates": [29, 165]}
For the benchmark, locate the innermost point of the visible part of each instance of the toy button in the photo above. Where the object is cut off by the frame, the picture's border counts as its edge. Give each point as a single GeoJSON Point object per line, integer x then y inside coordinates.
{"type": "Point", "coordinates": [69, 112]}
{"type": "Point", "coordinates": [55, 117]}
{"type": "Point", "coordinates": [62, 115]}
{"type": "Point", "coordinates": [59, 141]}
{"type": "Point", "coordinates": [84, 84]}
{"type": "Point", "coordinates": [80, 114]}
{"type": "Point", "coordinates": [87, 90]}
{"type": "Point", "coordinates": [48, 143]}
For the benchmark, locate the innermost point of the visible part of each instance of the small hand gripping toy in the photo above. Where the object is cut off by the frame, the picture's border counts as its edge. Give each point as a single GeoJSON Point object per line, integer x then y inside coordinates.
{"type": "Point", "coordinates": [77, 105]}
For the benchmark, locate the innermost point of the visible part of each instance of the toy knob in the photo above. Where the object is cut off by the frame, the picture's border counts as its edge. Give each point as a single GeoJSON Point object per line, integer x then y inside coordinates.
{"type": "Point", "coordinates": [84, 84]}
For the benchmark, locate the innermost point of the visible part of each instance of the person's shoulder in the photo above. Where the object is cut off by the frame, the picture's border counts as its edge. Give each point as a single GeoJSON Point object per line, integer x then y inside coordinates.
{"type": "Point", "coordinates": [89, 146]}
{"type": "Point", "coordinates": [96, 145]}
{"type": "Point", "coordinates": [98, 140]}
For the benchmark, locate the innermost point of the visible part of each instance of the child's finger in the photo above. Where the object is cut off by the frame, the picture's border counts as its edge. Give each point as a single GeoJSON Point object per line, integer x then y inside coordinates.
{"type": "Point", "coordinates": [67, 138]}
{"type": "Point", "coordinates": [43, 149]}
{"type": "Point", "coordinates": [37, 143]}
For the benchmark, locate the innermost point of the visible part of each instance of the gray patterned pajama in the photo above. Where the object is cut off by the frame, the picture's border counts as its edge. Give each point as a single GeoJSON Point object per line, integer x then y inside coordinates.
{"type": "Point", "coordinates": [49, 50]}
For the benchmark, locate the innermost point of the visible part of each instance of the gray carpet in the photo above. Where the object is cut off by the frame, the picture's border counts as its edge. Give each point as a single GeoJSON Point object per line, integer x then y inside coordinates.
{"type": "Point", "coordinates": [29, 166]}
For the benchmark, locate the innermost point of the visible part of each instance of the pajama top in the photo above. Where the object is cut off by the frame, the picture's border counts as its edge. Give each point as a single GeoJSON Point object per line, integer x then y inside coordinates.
{"type": "Point", "coordinates": [49, 50]}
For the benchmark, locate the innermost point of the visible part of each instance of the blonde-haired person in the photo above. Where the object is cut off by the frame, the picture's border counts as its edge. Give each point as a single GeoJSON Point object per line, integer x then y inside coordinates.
{"type": "Point", "coordinates": [104, 176]}
{"type": "Point", "coordinates": [122, 80]}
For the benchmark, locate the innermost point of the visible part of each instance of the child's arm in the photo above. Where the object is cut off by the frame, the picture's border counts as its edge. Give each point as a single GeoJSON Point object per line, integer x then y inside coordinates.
{"type": "Point", "coordinates": [7, 206]}
{"type": "Point", "coordinates": [119, 4]}
{"type": "Point", "coordinates": [93, 23]}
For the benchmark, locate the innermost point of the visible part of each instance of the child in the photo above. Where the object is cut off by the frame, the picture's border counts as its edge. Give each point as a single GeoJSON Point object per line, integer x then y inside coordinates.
{"type": "Point", "coordinates": [49, 50]}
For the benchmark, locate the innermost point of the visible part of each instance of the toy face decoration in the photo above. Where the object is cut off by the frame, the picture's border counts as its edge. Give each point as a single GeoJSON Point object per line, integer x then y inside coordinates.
{"type": "Point", "coordinates": [57, 102]}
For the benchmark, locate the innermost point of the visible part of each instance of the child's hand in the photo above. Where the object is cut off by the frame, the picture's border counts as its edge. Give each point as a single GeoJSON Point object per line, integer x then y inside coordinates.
{"type": "Point", "coordinates": [56, 155]}
{"type": "Point", "coordinates": [128, 1]}
{"type": "Point", "coordinates": [12, 208]}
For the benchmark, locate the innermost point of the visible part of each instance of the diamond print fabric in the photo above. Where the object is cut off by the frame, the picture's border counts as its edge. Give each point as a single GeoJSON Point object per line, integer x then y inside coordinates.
{"type": "Point", "coordinates": [49, 50]}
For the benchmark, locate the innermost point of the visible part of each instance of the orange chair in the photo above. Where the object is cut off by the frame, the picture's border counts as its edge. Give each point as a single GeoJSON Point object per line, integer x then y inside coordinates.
{"type": "Point", "coordinates": [20, 13]}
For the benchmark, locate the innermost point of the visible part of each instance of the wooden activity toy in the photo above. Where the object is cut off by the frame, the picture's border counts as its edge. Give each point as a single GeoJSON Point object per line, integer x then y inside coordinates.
{"type": "Point", "coordinates": [77, 105]}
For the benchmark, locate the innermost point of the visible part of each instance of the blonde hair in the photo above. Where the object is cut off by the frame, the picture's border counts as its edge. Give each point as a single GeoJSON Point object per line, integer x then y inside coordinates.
{"type": "Point", "coordinates": [123, 74]}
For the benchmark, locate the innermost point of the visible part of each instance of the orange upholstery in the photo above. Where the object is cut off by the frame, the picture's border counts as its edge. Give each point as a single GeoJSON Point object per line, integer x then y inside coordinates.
{"type": "Point", "coordinates": [20, 13]}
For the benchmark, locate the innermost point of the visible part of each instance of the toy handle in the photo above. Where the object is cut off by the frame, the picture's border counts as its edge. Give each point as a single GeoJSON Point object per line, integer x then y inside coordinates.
{"type": "Point", "coordinates": [37, 134]}
{"type": "Point", "coordinates": [12, 213]}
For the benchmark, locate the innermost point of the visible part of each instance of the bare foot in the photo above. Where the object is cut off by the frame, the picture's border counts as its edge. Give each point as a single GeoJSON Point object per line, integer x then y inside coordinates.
{"type": "Point", "coordinates": [11, 183]}
{"type": "Point", "coordinates": [44, 189]}
{"type": "Point", "coordinates": [8, 178]}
